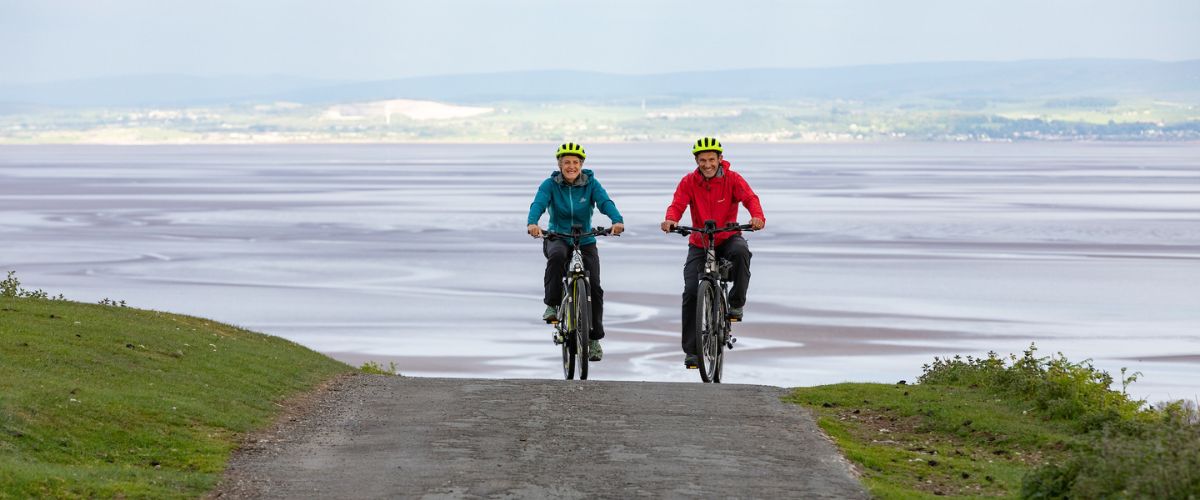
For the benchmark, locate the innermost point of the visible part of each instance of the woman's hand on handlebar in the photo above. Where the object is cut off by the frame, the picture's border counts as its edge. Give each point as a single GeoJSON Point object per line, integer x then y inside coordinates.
{"type": "Point", "coordinates": [668, 225]}
{"type": "Point", "coordinates": [617, 229]}
{"type": "Point", "coordinates": [757, 223]}
{"type": "Point", "coordinates": [534, 230]}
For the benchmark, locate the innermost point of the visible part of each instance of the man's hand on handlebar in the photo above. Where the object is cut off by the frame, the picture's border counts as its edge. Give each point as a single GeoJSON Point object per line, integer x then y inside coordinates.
{"type": "Point", "coordinates": [668, 225]}
{"type": "Point", "coordinates": [757, 223]}
{"type": "Point", "coordinates": [534, 230]}
{"type": "Point", "coordinates": [618, 228]}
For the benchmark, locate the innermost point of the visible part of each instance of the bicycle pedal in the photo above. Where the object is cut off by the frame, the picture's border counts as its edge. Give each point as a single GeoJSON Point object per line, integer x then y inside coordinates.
{"type": "Point", "coordinates": [734, 319]}
{"type": "Point", "coordinates": [552, 321]}
{"type": "Point", "coordinates": [693, 367]}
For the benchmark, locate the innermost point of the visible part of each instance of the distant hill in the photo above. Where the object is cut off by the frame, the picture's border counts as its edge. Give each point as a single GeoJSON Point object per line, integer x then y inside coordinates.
{"type": "Point", "coordinates": [954, 81]}
{"type": "Point", "coordinates": [950, 81]}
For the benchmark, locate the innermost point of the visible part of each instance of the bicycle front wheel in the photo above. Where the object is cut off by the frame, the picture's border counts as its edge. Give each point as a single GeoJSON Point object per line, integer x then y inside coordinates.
{"type": "Point", "coordinates": [708, 332]}
{"type": "Point", "coordinates": [583, 325]}
{"type": "Point", "coordinates": [720, 310]}
{"type": "Point", "coordinates": [568, 344]}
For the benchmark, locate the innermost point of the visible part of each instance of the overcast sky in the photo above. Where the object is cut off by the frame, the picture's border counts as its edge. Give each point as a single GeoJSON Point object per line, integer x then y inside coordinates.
{"type": "Point", "coordinates": [42, 40]}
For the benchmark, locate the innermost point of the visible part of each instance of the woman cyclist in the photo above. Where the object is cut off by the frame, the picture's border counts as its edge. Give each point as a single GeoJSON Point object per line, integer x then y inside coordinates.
{"type": "Point", "coordinates": [571, 194]}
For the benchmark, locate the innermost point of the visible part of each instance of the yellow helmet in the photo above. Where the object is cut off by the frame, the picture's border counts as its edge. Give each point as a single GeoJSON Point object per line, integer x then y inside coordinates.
{"type": "Point", "coordinates": [570, 148]}
{"type": "Point", "coordinates": [707, 144]}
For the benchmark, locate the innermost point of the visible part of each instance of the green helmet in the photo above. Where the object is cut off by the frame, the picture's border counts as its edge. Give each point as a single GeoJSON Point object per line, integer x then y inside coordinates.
{"type": "Point", "coordinates": [570, 148]}
{"type": "Point", "coordinates": [707, 144]}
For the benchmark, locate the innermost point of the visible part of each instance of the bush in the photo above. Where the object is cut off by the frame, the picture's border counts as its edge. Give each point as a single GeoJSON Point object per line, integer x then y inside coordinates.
{"type": "Point", "coordinates": [373, 368]}
{"type": "Point", "coordinates": [1157, 459]}
{"type": "Point", "coordinates": [10, 288]}
{"type": "Point", "coordinates": [1056, 386]}
{"type": "Point", "coordinates": [1125, 450]}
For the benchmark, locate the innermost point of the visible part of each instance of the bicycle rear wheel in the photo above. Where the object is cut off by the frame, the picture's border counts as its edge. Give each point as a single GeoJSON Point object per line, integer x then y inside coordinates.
{"type": "Point", "coordinates": [583, 325]}
{"type": "Point", "coordinates": [708, 332]}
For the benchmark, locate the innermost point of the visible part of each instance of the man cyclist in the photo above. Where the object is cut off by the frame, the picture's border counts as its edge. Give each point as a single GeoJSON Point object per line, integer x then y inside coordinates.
{"type": "Point", "coordinates": [712, 192]}
{"type": "Point", "coordinates": [570, 194]}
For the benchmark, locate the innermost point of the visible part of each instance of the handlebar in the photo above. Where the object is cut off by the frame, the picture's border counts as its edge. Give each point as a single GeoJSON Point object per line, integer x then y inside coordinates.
{"type": "Point", "coordinates": [598, 231]}
{"type": "Point", "coordinates": [686, 230]}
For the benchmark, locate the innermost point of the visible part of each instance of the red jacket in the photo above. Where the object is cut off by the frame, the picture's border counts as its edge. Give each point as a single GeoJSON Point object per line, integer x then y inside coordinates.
{"type": "Point", "coordinates": [715, 199]}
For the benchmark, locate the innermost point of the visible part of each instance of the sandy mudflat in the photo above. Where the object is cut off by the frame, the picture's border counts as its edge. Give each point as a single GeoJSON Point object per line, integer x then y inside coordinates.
{"type": "Point", "coordinates": [1172, 358]}
{"type": "Point", "coordinates": [876, 257]}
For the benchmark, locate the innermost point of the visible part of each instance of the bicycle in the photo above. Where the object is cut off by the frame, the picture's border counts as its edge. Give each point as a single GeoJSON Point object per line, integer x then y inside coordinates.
{"type": "Point", "coordinates": [573, 325]}
{"type": "Point", "coordinates": [714, 331]}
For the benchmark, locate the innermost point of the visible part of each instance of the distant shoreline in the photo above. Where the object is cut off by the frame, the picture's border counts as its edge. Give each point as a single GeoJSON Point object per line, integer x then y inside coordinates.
{"type": "Point", "coordinates": [873, 141]}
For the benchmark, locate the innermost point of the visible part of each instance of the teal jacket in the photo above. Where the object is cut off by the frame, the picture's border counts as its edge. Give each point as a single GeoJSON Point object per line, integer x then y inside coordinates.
{"type": "Point", "coordinates": [572, 203]}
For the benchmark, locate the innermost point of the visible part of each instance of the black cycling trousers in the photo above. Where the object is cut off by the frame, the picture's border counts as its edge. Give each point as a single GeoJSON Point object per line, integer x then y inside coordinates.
{"type": "Point", "coordinates": [736, 251]}
{"type": "Point", "coordinates": [558, 256]}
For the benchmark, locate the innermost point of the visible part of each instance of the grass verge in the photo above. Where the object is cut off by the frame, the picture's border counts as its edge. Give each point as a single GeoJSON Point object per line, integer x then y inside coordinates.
{"type": "Point", "coordinates": [102, 401]}
{"type": "Point", "coordinates": [916, 440]}
{"type": "Point", "coordinates": [1029, 427]}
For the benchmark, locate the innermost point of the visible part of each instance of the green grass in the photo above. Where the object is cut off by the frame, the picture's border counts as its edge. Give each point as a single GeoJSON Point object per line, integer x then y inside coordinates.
{"type": "Point", "coordinates": [917, 441]}
{"type": "Point", "coordinates": [1028, 426]}
{"type": "Point", "coordinates": [102, 401]}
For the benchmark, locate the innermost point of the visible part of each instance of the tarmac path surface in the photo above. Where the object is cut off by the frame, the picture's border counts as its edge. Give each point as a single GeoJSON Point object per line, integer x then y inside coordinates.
{"type": "Point", "coordinates": [389, 437]}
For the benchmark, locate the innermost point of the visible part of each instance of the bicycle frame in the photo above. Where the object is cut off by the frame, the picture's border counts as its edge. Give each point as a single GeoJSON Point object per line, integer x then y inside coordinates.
{"type": "Point", "coordinates": [714, 275]}
{"type": "Point", "coordinates": [575, 271]}
{"type": "Point", "coordinates": [713, 267]}
{"type": "Point", "coordinates": [573, 324]}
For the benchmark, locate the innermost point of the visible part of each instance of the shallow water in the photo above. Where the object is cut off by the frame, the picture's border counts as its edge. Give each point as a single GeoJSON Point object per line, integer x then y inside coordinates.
{"type": "Point", "coordinates": [875, 259]}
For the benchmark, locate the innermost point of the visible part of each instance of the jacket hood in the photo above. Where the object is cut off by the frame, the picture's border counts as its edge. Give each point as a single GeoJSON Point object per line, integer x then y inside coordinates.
{"type": "Point", "coordinates": [584, 176]}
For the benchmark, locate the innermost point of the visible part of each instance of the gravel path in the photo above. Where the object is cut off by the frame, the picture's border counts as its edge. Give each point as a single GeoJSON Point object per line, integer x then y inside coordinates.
{"type": "Point", "coordinates": [387, 437]}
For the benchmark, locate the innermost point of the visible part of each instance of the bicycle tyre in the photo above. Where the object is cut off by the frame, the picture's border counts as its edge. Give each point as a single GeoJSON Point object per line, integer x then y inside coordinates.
{"type": "Point", "coordinates": [707, 330]}
{"type": "Point", "coordinates": [720, 309]}
{"type": "Point", "coordinates": [583, 326]}
{"type": "Point", "coordinates": [568, 345]}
